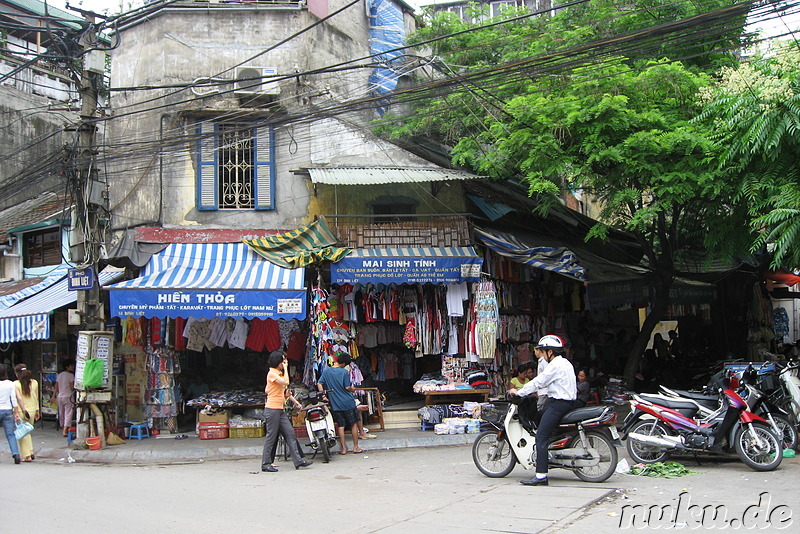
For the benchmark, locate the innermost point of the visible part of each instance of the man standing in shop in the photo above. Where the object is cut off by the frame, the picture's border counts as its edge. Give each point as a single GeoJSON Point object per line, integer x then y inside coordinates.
{"type": "Point", "coordinates": [336, 380]}
{"type": "Point", "coordinates": [559, 379]}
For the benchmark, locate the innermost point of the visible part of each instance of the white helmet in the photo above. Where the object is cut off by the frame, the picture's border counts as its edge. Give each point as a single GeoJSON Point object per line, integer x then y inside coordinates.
{"type": "Point", "coordinates": [552, 342]}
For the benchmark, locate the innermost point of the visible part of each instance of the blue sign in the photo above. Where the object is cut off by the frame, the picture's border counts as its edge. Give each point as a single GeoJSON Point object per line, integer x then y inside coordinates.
{"type": "Point", "coordinates": [80, 279]}
{"type": "Point", "coordinates": [405, 270]}
{"type": "Point", "coordinates": [208, 303]}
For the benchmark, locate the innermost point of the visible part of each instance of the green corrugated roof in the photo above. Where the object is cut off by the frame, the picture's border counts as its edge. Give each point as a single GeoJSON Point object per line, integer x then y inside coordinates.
{"type": "Point", "coordinates": [36, 7]}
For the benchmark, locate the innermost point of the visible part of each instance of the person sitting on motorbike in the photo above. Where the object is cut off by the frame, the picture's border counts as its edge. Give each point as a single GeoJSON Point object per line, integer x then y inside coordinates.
{"type": "Point", "coordinates": [559, 379]}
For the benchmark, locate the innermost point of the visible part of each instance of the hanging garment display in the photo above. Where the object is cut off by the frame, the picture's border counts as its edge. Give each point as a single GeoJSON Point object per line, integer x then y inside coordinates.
{"type": "Point", "coordinates": [486, 318]}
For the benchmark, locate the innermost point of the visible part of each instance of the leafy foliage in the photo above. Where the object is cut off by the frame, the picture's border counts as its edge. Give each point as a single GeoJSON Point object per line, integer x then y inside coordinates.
{"type": "Point", "coordinates": [755, 113]}
{"type": "Point", "coordinates": [661, 470]}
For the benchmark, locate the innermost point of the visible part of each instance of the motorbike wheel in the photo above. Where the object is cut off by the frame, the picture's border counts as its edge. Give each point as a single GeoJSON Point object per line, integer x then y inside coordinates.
{"type": "Point", "coordinates": [322, 444]}
{"type": "Point", "coordinates": [641, 453]}
{"type": "Point", "coordinates": [492, 455]}
{"type": "Point", "coordinates": [766, 457]}
{"type": "Point", "coordinates": [608, 457]}
{"type": "Point", "coordinates": [787, 431]}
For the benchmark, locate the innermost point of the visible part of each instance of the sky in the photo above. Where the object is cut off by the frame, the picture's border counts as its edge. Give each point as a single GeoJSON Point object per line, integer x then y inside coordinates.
{"type": "Point", "coordinates": [100, 6]}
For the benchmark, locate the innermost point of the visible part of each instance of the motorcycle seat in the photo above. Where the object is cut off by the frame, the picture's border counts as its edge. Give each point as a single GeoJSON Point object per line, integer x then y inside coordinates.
{"type": "Point", "coordinates": [582, 414]}
{"type": "Point", "coordinates": [697, 395]}
{"type": "Point", "coordinates": [675, 404]}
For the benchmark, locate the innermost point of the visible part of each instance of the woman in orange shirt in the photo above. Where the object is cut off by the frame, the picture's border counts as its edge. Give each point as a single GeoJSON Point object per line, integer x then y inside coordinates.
{"type": "Point", "coordinates": [276, 419]}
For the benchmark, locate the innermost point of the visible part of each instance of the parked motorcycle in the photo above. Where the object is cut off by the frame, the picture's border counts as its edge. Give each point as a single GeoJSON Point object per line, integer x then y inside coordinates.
{"type": "Point", "coordinates": [788, 395]}
{"type": "Point", "coordinates": [658, 426]}
{"type": "Point", "coordinates": [585, 442]}
{"type": "Point", "coordinates": [707, 402]}
{"type": "Point", "coordinates": [319, 425]}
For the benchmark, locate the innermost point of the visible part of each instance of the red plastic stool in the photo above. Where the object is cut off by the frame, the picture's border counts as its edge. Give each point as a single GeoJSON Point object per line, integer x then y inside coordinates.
{"type": "Point", "coordinates": [594, 398]}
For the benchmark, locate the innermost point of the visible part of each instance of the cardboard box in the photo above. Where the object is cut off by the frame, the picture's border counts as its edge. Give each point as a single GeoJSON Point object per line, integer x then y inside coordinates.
{"type": "Point", "coordinates": [220, 418]}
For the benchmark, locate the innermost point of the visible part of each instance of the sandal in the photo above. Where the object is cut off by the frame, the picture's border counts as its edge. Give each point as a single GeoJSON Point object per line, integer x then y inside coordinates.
{"type": "Point", "coordinates": [342, 452]}
{"type": "Point", "coordinates": [358, 451]}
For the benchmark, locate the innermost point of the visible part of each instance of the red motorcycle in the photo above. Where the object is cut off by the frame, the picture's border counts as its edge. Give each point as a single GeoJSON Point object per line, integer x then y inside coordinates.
{"type": "Point", "coordinates": [658, 426]}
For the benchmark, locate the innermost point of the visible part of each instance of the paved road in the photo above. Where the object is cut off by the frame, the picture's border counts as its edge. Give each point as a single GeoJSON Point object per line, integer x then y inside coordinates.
{"type": "Point", "coordinates": [417, 490]}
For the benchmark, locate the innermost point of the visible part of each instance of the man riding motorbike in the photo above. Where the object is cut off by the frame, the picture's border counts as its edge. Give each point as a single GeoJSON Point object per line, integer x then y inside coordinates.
{"type": "Point", "coordinates": [559, 379]}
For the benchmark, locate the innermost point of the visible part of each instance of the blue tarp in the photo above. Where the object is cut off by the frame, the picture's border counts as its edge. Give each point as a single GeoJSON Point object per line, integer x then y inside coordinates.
{"type": "Point", "coordinates": [386, 32]}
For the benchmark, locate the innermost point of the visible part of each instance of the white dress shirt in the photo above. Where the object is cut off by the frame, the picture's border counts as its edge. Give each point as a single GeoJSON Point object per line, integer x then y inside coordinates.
{"type": "Point", "coordinates": [559, 379]}
{"type": "Point", "coordinates": [539, 370]}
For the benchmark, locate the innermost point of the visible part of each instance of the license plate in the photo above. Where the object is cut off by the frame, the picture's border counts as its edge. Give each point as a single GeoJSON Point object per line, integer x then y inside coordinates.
{"type": "Point", "coordinates": [318, 425]}
{"type": "Point", "coordinates": [614, 433]}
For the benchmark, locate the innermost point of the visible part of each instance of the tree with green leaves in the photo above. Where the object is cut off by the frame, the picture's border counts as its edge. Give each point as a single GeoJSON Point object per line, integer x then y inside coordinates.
{"type": "Point", "coordinates": [592, 102]}
{"type": "Point", "coordinates": [754, 111]}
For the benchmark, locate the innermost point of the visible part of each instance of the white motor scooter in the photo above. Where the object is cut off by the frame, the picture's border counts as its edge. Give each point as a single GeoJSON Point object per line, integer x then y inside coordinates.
{"type": "Point", "coordinates": [319, 425]}
{"type": "Point", "coordinates": [790, 384]}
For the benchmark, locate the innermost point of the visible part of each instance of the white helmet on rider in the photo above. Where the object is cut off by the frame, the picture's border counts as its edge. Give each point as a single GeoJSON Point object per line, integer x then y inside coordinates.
{"type": "Point", "coordinates": [551, 342]}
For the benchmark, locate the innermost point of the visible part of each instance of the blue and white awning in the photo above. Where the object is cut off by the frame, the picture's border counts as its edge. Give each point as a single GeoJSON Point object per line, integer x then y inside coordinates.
{"type": "Point", "coordinates": [557, 259]}
{"type": "Point", "coordinates": [30, 318]}
{"type": "Point", "coordinates": [419, 265]}
{"type": "Point", "coordinates": [6, 301]}
{"type": "Point", "coordinates": [211, 280]}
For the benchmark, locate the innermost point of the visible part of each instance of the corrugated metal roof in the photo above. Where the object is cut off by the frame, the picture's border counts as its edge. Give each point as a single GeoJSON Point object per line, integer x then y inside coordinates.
{"type": "Point", "coordinates": [384, 175]}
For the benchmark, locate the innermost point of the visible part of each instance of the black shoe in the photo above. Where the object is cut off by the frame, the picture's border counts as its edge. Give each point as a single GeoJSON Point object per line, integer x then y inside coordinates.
{"type": "Point", "coordinates": [270, 469]}
{"type": "Point", "coordinates": [535, 482]}
{"type": "Point", "coordinates": [304, 463]}
{"type": "Point", "coordinates": [17, 459]}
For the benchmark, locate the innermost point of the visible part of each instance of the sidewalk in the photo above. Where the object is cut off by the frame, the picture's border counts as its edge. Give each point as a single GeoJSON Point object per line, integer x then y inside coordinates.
{"type": "Point", "coordinates": [165, 449]}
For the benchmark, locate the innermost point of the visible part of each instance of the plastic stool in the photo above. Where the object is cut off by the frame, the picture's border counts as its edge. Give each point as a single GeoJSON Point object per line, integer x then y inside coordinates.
{"type": "Point", "coordinates": [594, 398]}
{"type": "Point", "coordinates": [70, 437]}
{"type": "Point", "coordinates": [139, 431]}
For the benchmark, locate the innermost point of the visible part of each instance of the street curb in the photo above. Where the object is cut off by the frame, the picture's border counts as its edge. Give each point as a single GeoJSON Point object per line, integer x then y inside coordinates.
{"type": "Point", "coordinates": [117, 454]}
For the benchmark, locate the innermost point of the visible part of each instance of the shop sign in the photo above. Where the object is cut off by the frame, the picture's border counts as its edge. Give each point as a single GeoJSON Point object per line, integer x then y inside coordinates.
{"type": "Point", "coordinates": [406, 270]}
{"type": "Point", "coordinates": [80, 279]}
{"type": "Point", "coordinates": [208, 303]}
{"type": "Point", "coordinates": [605, 295]}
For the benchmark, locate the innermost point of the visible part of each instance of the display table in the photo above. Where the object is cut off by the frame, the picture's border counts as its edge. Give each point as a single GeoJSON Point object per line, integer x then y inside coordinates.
{"type": "Point", "coordinates": [447, 395]}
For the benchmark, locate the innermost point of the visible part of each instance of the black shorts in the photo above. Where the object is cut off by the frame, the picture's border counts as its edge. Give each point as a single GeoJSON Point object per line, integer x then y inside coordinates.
{"type": "Point", "coordinates": [345, 419]}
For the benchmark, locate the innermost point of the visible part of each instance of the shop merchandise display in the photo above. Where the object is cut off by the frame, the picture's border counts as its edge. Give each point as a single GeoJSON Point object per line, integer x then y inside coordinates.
{"type": "Point", "coordinates": [233, 398]}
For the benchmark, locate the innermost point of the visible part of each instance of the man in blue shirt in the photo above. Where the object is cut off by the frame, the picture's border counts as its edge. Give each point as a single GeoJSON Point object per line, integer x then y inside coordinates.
{"type": "Point", "coordinates": [336, 380]}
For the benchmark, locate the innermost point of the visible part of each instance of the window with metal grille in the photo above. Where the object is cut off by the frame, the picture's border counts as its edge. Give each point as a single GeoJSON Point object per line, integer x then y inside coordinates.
{"type": "Point", "coordinates": [235, 168]}
{"type": "Point", "coordinates": [42, 248]}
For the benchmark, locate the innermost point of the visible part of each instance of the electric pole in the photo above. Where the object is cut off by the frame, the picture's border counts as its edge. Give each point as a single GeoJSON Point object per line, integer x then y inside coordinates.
{"type": "Point", "coordinates": [86, 187]}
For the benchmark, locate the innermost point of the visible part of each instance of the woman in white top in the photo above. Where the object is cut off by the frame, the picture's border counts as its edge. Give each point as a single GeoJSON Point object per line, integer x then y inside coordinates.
{"type": "Point", "coordinates": [9, 411]}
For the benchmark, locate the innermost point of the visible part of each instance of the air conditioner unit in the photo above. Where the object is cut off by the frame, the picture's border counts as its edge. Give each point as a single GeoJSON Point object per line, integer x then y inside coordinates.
{"type": "Point", "coordinates": [256, 81]}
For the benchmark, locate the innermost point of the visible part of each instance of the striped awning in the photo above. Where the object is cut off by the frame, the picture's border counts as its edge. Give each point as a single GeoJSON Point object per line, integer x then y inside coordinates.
{"type": "Point", "coordinates": [556, 259]}
{"type": "Point", "coordinates": [415, 265]}
{"type": "Point", "coordinates": [305, 246]}
{"type": "Point", "coordinates": [30, 318]}
{"type": "Point", "coordinates": [211, 280]}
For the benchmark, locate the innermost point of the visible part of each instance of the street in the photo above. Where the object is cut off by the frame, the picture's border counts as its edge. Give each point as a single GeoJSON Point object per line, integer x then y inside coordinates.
{"type": "Point", "coordinates": [434, 489]}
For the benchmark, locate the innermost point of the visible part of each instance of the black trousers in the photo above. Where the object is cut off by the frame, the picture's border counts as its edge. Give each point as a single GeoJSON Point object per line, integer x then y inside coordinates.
{"type": "Point", "coordinates": [553, 412]}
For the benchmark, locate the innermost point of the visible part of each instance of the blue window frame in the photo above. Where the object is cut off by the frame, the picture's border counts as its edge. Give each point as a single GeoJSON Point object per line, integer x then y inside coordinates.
{"type": "Point", "coordinates": [235, 167]}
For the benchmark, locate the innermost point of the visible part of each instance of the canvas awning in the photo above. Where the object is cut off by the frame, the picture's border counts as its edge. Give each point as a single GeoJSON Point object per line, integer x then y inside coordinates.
{"type": "Point", "coordinates": [211, 280]}
{"type": "Point", "coordinates": [30, 318]}
{"type": "Point", "coordinates": [447, 265]}
{"type": "Point", "coordinates": [305, 246]}
{"type": "Point", "coordinates": [556, 259]}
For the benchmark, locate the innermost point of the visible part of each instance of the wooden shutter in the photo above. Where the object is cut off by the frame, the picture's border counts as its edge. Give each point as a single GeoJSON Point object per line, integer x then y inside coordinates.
{"type": "Point", "coordinates": [207, 187]}
{"type": "Point", "coordinates": [264, 186]}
